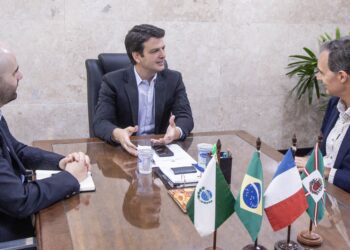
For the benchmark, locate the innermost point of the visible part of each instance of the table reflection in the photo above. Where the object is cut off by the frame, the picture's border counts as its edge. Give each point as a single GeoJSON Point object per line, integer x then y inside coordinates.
{"type": "Point", "coordinates": [142, 202]}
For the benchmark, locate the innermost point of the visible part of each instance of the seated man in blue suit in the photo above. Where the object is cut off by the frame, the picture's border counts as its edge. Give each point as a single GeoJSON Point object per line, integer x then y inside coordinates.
{"type": "Point", "coordinates": [146, 98]}
{"type": "Point", "coordinates": [21, 198]}
{"type": "Point", "coordinates": [334, 71]}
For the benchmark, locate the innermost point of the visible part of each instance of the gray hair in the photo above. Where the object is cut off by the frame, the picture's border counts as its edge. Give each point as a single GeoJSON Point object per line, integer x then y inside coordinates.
{"type": "Point", "coordinates": [339, 54]}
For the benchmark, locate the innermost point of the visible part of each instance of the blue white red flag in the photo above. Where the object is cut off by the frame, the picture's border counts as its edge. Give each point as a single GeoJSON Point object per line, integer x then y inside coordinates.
{"type": "Point", "coordinates": [285, 198]}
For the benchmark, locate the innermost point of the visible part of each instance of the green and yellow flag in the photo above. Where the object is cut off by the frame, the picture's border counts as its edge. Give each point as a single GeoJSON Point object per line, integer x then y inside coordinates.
{"type": "Point", "coordinates": [250, 201]}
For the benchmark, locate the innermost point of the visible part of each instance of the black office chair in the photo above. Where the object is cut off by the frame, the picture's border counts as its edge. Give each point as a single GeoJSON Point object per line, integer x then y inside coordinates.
{"type": "Point", "coordinates": [95, 69]}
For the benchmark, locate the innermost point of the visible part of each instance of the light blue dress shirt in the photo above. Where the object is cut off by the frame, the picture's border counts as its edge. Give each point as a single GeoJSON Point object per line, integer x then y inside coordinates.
{"type": "Point", "coordinates": [146, 116]}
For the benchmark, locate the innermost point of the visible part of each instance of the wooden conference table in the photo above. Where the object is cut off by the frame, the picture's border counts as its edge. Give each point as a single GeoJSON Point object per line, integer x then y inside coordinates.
{"type": "Point", "coordinates": [129, 211]}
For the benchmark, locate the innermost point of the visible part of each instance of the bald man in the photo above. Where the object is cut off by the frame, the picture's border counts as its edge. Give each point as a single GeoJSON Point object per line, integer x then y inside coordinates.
{"type": "Point", "coordinates": [21, 198]}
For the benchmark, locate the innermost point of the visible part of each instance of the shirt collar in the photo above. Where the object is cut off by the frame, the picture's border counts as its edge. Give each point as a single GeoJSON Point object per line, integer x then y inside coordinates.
{"type": "Point", "coordinates": [345, 113]}
{"type": "Point", "coordinates": [138, 78]}
{"type": "Point", "coordinates": [0, 115]}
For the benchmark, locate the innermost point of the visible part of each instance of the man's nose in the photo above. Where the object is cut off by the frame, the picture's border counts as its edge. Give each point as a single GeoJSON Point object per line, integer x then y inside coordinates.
{"type": "Point", "coordinates": [162, 53]}
{"type": "Point", "coordinates": [19, 75]}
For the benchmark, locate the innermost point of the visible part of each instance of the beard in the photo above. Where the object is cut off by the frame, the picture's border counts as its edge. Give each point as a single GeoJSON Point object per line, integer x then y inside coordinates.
{"type": "Point", "coordinates": [7, 96]}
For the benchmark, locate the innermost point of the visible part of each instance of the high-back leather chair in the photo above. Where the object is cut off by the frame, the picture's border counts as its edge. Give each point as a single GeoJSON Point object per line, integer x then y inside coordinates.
{"type": "Point", "coordinates": [95, 69]}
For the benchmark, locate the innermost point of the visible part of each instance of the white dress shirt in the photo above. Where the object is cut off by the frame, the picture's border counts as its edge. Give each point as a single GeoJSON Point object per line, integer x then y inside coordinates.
{"type": "Point", "coordinates": [335, 138]}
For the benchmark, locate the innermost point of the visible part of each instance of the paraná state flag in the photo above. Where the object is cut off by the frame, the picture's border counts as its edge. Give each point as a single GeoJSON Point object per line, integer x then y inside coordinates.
{"type": "Point", "coordinates": [285, 198]}
{"type": "Point", "coordinates": [212, 201]}
{"type": "Point", "coordinates": [313, 183]}
{"type": "Point", "coordinates": [250, 200]}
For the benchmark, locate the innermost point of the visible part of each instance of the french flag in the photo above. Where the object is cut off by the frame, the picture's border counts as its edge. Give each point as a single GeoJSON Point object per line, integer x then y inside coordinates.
{"type": "Point", "coordinates": [285, 197]}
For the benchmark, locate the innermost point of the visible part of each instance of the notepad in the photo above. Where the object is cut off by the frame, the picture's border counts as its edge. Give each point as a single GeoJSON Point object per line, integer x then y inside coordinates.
{"type": "Point", "coordinates": [86, 185]}
{"type": "Point", "coordinates": [181, 197]}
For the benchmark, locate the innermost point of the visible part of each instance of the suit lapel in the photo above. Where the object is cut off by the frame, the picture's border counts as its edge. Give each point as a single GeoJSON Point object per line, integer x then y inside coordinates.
{"type": "Point", "coordinates": [344, 148]}
{"type": "Point", "coordinates": [132, 93]}
{"type": "Point", "coordinates": [7, 147]}
{"type": "Point", "coordinates": [159, 89]}
{"type": "Point", "coordinates": [333, 120]}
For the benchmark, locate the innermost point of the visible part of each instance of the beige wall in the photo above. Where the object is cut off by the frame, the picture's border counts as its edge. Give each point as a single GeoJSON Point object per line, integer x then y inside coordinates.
{"type": "Point", "coordinates": [232, 55]}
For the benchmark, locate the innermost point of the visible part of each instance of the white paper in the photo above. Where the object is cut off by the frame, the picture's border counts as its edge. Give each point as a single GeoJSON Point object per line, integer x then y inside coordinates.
{"type": "Point", "coordinates": [180, 159]}
{"type": "Point", "coordinates": [86, 185]}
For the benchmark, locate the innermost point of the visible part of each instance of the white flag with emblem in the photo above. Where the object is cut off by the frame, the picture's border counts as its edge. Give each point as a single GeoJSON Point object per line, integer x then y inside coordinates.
{"type": "Point", "coordinates": [212, 201]}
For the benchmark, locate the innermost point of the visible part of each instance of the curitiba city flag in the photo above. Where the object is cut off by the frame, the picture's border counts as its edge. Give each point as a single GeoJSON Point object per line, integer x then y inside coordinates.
{"type": "Point", "coordinates": [313, 183]}
{"type": "Point", "coordinates": [250, 201]}
{"type": "Point", "coordinates": [212, 201]}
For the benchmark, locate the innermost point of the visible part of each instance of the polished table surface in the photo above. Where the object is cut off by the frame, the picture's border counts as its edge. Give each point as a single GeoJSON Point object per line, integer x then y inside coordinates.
{"type": "Point", "coordinates": [132, 211]}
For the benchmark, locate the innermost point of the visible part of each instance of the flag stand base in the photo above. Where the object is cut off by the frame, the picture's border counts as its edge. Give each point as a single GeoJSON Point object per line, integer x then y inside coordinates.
{"type": "Point", "coordinates": [283, 245]}
{"type": "Point", "coordinates": [253, 247]}
{"type": "Point", "coordinates": [309, 238]}
{"type": "Point", "coordinates": [211, 248]}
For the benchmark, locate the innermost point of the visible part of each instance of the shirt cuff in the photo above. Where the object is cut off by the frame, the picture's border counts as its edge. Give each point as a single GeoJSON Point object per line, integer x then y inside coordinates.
{"type": "Point", "coordinates": [331, 175]}
{"type": "Point", "coordinates": [114, 141]}
{"type": "Point", "coordinates": [181, 133]}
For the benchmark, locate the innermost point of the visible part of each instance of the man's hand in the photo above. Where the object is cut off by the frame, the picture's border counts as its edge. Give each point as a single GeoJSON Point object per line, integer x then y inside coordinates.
{"type": "Point", "coordinates": [301, 162]}
{"type": "Point", "coordinates": [79, 169]}
{"type": "Point", "coordinates": [75, 156]}
{"type": "Point", "coordinates": [172, 133]}
{"type": "Point", "coordinates": [326, 172]}
{"type": "Point", "coordinates": [123, 137]}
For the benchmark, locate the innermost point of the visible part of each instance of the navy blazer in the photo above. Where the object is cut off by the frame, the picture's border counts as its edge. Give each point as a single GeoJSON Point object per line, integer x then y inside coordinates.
{"type": "Point", "coordinates": [19, 199]}
{"type": "Point", "coordinates": [342, 162]}
{"type": "Point", "coordinates": [118, 103]}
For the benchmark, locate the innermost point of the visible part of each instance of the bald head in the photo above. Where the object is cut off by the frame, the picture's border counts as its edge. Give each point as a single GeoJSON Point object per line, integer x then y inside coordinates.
{"type": "Point", "coordinates": [5, 57]}
{"type": "Point", "coordinates": [9, 76]}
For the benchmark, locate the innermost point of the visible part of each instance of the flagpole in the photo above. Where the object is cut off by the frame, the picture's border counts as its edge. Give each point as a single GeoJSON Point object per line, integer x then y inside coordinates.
{"type": "Point", "coordinates": [308, 237]}
{"type": "Point", "coordinates": [289, 244]}
{"type": "Point", "coordinates": [288, 235]}
{"type": "Point", "coordinates": [214, 241]}
{"type": "Point", "coordinates": [256, 246]}
{"type": "Point", "coordinates": [319, 141]}
{"type": "Point", "coordinates": [310, 227]}
{"type": "Point", "coordinates": [294, 150]}
{"type": "Point", "coordinates": [218, 150]}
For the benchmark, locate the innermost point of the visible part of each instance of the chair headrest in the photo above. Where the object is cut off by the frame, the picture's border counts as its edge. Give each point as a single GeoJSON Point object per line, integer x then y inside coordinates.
{"type": "Point", "coordinates": [113, 61]}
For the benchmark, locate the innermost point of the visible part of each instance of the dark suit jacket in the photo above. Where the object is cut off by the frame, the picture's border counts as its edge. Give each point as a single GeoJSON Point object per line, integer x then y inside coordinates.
{"type": "Point", "coordinates": [19, 200]}
{"type": "Point", "coordinates": [342, 163]}
{"type": "Point", "coordinates": [118, 103]}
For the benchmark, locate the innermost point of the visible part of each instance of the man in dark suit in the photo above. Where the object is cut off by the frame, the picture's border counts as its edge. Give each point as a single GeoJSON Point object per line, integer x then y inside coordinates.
{"type": "Point", "coordinates": [21, 198]}
{"type": "Point", "coordinates": [146, 98]}
{"type": "Point", "coordinates": [334, 71]}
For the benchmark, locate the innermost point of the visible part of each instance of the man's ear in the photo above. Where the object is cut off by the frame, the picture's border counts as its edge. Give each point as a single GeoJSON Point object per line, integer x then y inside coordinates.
{"type": "Point", "coordinates": [343, 76]}
{"type": "Point", "coordinates": [136, 56]}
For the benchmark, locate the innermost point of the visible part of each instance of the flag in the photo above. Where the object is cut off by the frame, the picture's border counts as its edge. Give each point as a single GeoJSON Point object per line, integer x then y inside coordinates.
{"type": "Point", "coordinates": [250, 203]}
{"type": "Point", "coordinates": [212, 201]}
{"type": "Point", "coordinates": [313, 183]}
{"type": "Point", "coordinates": [285, 198]}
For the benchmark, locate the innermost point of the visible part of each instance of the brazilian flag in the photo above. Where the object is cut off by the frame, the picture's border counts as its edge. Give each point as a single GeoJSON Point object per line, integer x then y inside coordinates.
{"type": "Point", "coordinates": [250, 201]}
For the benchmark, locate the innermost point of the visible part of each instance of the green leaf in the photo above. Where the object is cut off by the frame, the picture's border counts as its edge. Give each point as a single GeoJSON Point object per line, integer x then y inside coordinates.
{"type": "Point", "coordinates": [337, 33]}
{"type": "Point", "coordinates": [317, 88]}
{"type": "Point", "coordinates": [302, 57]}
{"type": "Point", "coordinates": [328, 37]}
{"type": "Point", "coordinates": [323, 38]}
{"type": "Point", "coordinates": [310, 53]}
